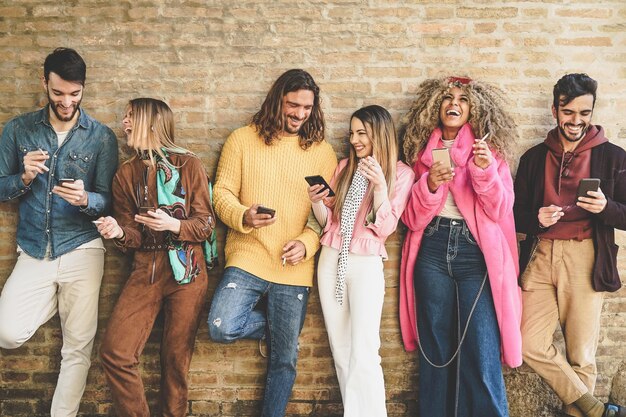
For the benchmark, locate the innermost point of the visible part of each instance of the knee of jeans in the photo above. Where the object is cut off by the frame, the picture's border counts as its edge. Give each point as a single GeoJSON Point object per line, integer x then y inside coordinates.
{"type": "Point", "coordinates": [220, 331]}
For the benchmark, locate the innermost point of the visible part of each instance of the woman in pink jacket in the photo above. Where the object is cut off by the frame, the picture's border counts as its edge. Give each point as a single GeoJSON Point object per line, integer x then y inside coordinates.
{"type": "Point", "coordinates": [458, 281]}
{"type": "Point", "coordinates": [372, 188]}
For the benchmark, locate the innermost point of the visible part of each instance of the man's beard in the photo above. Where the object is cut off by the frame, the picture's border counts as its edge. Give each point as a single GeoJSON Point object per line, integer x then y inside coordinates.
{"type": "Point", "coordinates": [55, 109]}
{"type": "Point", "coordinates": [583, 132]}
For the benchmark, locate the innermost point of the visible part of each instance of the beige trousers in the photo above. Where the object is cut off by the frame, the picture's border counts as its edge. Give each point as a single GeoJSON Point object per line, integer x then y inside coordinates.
{"type": "Point", "coordinates": [35, 291]}
{"type": "Point", "coordinates": [556, 289]}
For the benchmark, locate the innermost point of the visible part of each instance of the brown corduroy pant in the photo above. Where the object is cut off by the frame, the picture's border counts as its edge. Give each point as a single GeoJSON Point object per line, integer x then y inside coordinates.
{"type": "Point", "coordinates": [129, 328]}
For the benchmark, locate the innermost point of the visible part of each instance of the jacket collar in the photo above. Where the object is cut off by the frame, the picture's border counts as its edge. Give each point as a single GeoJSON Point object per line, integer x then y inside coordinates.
{"type": "Point", "coordinates": [460, 151]}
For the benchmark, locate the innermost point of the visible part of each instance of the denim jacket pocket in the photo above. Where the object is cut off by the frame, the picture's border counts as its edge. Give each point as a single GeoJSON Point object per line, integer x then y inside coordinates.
{"type": "Point", "coordinates": [78, 164]}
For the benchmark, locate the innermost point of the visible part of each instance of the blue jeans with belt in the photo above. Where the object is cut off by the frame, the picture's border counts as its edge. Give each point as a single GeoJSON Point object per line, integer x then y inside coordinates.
{"type": "Point", "coordinates": [450, 284]}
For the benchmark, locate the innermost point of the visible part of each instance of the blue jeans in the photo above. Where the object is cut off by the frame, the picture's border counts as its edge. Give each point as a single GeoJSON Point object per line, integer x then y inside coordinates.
{"type": "Point", "coordinates": [449, 273]}
{"type": "Point", "coordinates": [233, 316]}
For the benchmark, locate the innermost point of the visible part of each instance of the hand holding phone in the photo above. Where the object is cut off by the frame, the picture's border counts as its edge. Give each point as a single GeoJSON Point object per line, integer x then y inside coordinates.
{"type": "Point", "coordinates": [252, 218]}
{"type": "Point", "coordinates": [587, 184]}
{"type": "Point", "coordinates": [441, 173]}
{"type": "Point", "coordinates": [592, 203]}
{"type": "Point", "coordinates": [265, 210]}
{"type": "Point", "coordinates": [63, 181]}
{"type": "Point", "coordinates": [143, 210]}
{"type": "Point", "coordinates": [319, 180]}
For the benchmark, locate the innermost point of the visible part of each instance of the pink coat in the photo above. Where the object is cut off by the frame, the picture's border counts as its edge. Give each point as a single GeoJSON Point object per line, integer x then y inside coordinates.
{"type": "Point", "coordinates": [485, 199]}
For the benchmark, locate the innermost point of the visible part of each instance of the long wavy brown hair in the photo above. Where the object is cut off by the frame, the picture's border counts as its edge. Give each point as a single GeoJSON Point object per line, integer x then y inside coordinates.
{"type": "Point", "coordinates": [381, 131]}
{"type": "Point", "coordinates": [487, 114]}
{"type": "Point", "coordinates": [269, 120]}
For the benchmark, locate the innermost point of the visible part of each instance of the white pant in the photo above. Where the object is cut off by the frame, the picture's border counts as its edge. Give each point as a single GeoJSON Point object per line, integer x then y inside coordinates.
{"type": "Point", "coordinates": [29, 299]}
{"type": "Point", "coordinates": [354, 330]}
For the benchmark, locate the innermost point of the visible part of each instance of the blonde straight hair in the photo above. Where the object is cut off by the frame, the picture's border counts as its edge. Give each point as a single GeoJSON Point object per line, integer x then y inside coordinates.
{"type": "Point", "coordinates": [153, 129]}
{"type": "Point", "coordinates": [381, 132]}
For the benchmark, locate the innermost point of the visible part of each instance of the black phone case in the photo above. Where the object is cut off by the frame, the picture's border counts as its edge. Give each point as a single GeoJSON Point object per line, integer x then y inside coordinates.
{"type": "Point", "coordinates": [587, 184]}
{"type": "Point", "coordinates": [318, 179]}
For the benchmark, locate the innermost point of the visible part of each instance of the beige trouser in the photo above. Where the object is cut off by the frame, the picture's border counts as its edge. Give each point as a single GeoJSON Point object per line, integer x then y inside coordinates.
{"type": "Point", "coordinates": [36, 289]}
{"type": "Point", "coordinates": [557, 289]}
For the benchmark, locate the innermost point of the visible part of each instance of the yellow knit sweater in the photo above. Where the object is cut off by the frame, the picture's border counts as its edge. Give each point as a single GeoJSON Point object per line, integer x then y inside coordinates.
{"type": "Point", "coordinates": [251, 172]}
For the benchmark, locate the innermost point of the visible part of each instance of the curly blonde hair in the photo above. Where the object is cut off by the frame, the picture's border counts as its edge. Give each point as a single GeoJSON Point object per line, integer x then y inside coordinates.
{"type": "Point", "coordinates": [487, 114]}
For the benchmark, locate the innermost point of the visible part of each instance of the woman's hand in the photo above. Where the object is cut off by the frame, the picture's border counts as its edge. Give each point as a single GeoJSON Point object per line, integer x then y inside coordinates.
{"type": "Point", "coordinates": [439, 174]}
{"type": "Point", "coordinates": [316, 194]}
{"type": "Point", "coordinates": [159, 221]}
{"type": "Point", "coordinates": [482, 154]}
{"type": "Point", "coordinates": [371, 169]}
{"type": "Point", "coordinates": [108, 228]}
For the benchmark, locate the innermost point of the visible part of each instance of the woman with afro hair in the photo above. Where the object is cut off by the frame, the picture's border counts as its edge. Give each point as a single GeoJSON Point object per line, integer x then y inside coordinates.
{"type": "Point", "coordinates": [459, 299]}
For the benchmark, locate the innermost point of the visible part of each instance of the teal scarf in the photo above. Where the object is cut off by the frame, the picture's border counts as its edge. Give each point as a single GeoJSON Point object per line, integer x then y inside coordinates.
{"type": "Point", "coordinates": [171, 199]}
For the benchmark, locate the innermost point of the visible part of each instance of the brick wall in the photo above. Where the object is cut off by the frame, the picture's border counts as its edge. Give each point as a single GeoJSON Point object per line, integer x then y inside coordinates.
{"type": "Point", "coordinates": [213, 61]}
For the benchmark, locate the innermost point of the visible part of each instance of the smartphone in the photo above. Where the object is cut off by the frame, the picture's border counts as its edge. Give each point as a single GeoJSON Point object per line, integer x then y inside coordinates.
{"type": "Point", "coordinates": [318, 179]}
{"type": "Point", "coordinates": [442, 155]}
{"type": "Point", "coordinates": [143, 210]}
{"type": "Point", "coordinates": [587, 184]}
{"type": "Point", "coordinates": [66, 180]}
{"type": "Point", "coordinates": [265, 210]}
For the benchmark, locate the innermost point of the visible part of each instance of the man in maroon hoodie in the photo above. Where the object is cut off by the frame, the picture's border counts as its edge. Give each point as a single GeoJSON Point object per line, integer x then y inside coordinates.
{"type": "Point", "coordinates": [569, 257]}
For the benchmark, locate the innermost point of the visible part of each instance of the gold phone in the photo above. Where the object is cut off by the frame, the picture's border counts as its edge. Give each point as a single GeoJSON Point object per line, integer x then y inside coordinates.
{"type": "Point", "coordinates": [442, 155]}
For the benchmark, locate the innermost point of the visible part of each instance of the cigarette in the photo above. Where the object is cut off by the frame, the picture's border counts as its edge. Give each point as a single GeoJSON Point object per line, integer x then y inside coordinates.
{"type": "Point", "coordinates": [556, 213]}
{"type": "Point", "coordinates": [284, 260]}
{"type": "Point", "coordinates": [97, 221]}
{"type": "Point", "coordinates": [42, 152]}
{"type": "Point", "coordinates": [484, 138]}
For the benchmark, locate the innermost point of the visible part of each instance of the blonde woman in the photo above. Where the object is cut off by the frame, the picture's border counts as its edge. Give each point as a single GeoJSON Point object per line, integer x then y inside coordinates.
{"type": "Point", "coordinates": [162, 214]}
{"type": "Point", "coordinates": [372, 188]}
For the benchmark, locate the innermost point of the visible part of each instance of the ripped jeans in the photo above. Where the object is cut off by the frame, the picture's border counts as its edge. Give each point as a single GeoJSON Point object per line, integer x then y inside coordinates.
{"type": "Point", "coordinates": [233, 316]}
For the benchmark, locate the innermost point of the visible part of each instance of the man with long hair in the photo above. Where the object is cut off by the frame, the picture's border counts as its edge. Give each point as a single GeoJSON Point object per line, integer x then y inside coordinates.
{"type": "Point", "coordinates": [261, 195]}
{"type": "Point", "coordinates": [569, 256]}
{"type": "Point", "coordinates": [58, 162]}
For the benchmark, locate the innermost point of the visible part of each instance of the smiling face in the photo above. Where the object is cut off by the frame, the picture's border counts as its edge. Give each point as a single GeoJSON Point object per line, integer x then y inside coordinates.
{"type": "Point", "coordinates": [574, 118]}
{"type": "Point", "coordinates": [360, 139]}
{"type": "Point", "coordinates": [64, 97]}
{"type": "Point", "coordinates": [455, 110]}
{"type": "Point", "coordinates": [297, 107]}
{"type": "Point", "coordinates": [127, 121]}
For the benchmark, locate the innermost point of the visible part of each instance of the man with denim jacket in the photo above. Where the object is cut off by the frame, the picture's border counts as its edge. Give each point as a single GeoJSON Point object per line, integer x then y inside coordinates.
{"type": "Point", "coordinates": [569, 257]}
{"type": "Point", "coordinates": [58, 163]}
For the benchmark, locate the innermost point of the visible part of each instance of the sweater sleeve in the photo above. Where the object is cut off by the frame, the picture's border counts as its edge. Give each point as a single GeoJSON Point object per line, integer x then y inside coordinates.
{"type": "Point", "coordinates": [228, 185]}
{"type": "Point", "coordinates": [526, 220]}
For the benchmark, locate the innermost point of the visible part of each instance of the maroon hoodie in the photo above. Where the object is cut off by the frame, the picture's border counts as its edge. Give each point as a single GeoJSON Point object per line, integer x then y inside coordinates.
{"type": "Point", "coordinates": [564, 170]}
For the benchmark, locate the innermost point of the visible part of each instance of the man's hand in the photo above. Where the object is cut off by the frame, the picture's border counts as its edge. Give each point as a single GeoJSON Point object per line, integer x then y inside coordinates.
{"type": "Point", "coordinates": [595, 203]}
{"type": "Point", "coordinates": [549, 215]}
{"type": "Point", "coordinates": [108, 228]}
{"type": "Point", "coordinates": [72, 192]}
{"type": "Point", "coordinates": [294, 251]}
{"type": "Point", "coordinates": [256, 220]}
{"type": "Point", "coordinates": [159, 221]}
{"type": "Point", "coordinates": [34, 164]}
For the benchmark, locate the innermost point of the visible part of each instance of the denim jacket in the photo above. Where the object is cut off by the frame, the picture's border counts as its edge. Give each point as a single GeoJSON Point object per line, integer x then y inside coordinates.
{"type": "Point", "coordinates": [89, 153]}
